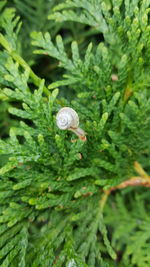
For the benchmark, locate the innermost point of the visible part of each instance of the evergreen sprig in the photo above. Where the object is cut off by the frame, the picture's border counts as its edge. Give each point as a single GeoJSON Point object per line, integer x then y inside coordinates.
{"type": "Point", "coordinates": [130, 229]}
{"type": "Point", "coordinates": [51, 183]}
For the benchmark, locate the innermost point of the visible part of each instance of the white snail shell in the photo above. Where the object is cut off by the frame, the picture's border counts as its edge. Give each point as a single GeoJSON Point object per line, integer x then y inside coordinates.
{"type": "Point", "coordinates": [67, 118]}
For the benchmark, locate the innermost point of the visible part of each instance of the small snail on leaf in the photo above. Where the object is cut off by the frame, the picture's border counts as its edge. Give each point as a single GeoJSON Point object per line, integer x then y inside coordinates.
{"type": "Point", "coordinates": [68, 119]}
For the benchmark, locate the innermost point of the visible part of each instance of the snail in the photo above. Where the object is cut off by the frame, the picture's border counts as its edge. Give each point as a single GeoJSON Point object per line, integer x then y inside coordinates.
{"type": "Point", "coordinates": [68, 119]}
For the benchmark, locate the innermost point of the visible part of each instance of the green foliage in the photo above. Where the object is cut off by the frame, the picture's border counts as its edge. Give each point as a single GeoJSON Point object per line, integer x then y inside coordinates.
{"type": "Point", "coordinates": [131, 229]}
{"type": "Point", "coordinates": [124, 25]}
{"type": "Point", "coordinates": [34, 16]}
{"type": "Point", "coordinates": [51, 183]}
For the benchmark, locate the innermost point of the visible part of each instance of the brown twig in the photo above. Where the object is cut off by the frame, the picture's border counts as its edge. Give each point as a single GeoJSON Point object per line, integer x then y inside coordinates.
{"type": "Point", "coordinates": [142, 180]}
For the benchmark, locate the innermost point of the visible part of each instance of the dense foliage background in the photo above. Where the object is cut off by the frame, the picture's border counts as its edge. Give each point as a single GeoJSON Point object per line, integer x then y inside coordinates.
{"type": "Point", "coordinates": [65, 201]}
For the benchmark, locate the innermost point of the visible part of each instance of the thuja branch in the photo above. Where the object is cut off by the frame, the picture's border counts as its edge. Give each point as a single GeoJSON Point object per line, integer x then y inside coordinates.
{"type": "Point", "coordinates": [21, 62]}
{"type": "Point", "coordinates": [142, 180]}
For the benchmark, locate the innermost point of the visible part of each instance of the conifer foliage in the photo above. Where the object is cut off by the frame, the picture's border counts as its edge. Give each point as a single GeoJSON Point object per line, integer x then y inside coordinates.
{"type": "Point", "coordinates": [64, 201]}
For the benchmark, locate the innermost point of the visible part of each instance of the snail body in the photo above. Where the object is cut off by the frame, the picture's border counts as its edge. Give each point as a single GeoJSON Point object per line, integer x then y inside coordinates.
{"type": "Point", "coordinates": [68, 119]}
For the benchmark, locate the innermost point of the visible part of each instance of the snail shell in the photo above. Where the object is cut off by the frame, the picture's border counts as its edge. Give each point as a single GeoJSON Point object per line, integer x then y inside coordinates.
{"type": "Point", "coordinates": [67, 118]}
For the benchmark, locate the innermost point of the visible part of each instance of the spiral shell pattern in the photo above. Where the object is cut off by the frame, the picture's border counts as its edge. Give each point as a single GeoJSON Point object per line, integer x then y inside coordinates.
{"type": "Point", "coordinates": [67, 118]}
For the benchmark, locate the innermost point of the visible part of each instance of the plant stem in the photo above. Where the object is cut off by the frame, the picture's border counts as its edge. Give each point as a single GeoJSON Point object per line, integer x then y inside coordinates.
{"type": "Point", "coordinates": [142, 180]}
{"type": "Point", "coordinates": [21, 62]}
